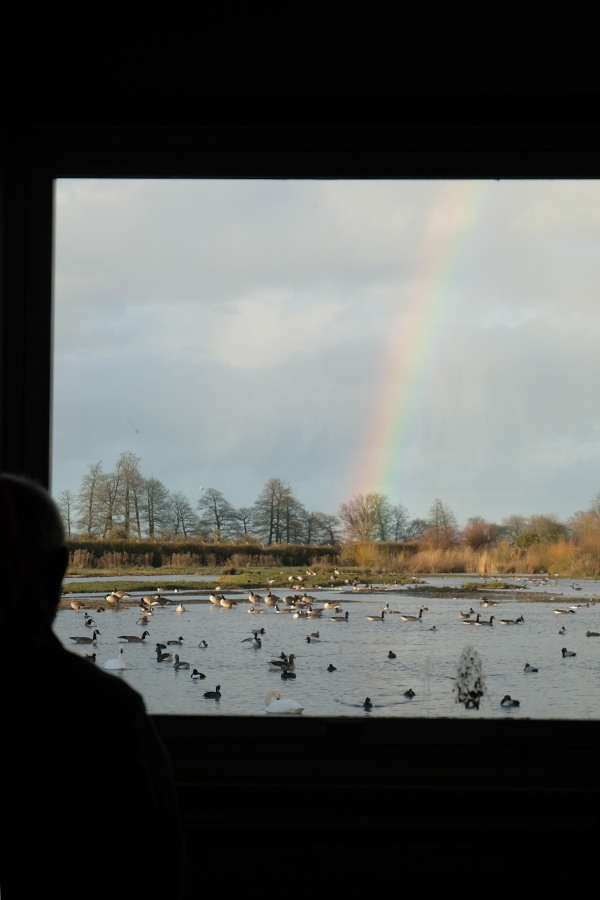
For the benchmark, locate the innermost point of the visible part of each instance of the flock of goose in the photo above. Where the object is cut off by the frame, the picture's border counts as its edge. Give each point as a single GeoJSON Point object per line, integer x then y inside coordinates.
{"type": "Point", "coordinates": [298, 605]}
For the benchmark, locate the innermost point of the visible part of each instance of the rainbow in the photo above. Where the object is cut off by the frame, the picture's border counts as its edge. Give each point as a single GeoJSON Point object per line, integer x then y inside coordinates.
{"type": "Point", "coordinates": [395, 426]}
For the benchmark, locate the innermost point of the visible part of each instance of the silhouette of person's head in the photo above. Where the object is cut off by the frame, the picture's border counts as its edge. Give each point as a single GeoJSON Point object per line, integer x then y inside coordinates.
{"type": "Point", "coordinates": [33, 554]}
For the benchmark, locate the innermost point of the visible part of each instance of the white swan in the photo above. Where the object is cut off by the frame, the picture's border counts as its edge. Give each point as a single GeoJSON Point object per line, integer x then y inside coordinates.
{"type": "Point", "coordinates": [118, 663]}
{"type": "Point", "coordinates": [275, 703]}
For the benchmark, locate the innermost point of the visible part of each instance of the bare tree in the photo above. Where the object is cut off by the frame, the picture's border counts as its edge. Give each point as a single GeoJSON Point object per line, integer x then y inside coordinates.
{"type": "Point", "coordinates": [156, 505]}
{"type": "Point", "coordinates": [443, 530]}
{"type": "Point", "coordinates": [243, 518]}
{"type": "Point", "coordinates": [272, 511]}
{"type": "Point", "coordinates": [478, 533]}
{"type": "Point", "coordinates": [183, 519]}
{"type": "Point", "coordinates": [89, 503]}
{"type": "Point", "coordinates": [65, 503]}
{"type": "Point", "coordinates": [217, 516]}
{"type": "Point", "coordinates": [367, 517]}
{"type": "Point", "coordinates": [398, 522]}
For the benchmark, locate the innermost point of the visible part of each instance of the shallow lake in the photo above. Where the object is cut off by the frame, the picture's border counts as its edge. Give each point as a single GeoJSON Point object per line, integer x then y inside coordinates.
{"type": "Point", "coordinates": [426, 652]}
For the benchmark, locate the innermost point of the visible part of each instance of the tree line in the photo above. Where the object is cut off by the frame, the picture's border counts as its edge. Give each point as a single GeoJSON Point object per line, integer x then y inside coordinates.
{"type": "Point", "coordinates": [124, 504]}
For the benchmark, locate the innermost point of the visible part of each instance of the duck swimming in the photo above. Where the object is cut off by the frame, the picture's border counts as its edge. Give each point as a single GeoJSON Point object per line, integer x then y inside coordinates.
{"type": "Point", "coordinates": [368, 703]}
{"type": "Point", "coordinates": [566, 652]}
{"type": "Point", "coordinates": [507, 701]}
{"type": "Point", "coordinates": [529, 668]}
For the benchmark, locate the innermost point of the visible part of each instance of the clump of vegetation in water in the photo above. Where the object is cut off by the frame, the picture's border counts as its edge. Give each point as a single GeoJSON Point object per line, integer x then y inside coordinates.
{"type": "Point", "coordinates": [470, 685]}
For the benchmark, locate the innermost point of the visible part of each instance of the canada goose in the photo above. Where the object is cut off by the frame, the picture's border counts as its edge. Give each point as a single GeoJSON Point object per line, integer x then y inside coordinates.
{"type": "Point", "coordinates": [254, 611]}
{"type": "Point", "coordinates": [180, 608]}
{"type": "Point", "coordinates": [285, 662]}
{"type": "Point", "coordinates": [592, 634]}
{"type": "Point", "coordinates": [409, 693]}
{"type": "Point", "coordinates": [215, 599]}
{"type": "Point", "coordinates": [391, 655]}
{"type": "Point", "coordinates": [178, 641]}
{"type": "Point", "coordinates": [418, 618]}
{"type": "Point", "coordinates": [507, 701]}
{"type": "Point", "coordinates": [367, 704]}
{"type": "Point", "coordinates": [76, 605]}
{"type": "Point", "coordinates": [271, 599]}
{"type": "Point", "coordinates": [85, 639]}
{"type": "Point", "coordinates": [215, 695]}
{"type": "Point", "coordinates": [113, 599]}
{"type": "Point", "coordinates": [284, 610]}
{"type": "Point", "coordinates": [253, 597]}
{"type": "Point", "coordinates": [180, 663]}
{"type": "Point", "coordinates": [197, 676]}
{"type": "Point", "coordinates": [474, 621]}
{"type": "Point", "coordinates": [529, 668]}
{"type": "Point", "coordinates": [90, 656]}
{"type": "Point", "coordinates": [133, 638]}
{"type": "Point", "coordinates": [563, 612]}
{"type": "Point", "coordinates": [118, 663]}
{"type": "Point", "coordinates": [466, 615]}
{"type": "Point", "coordinates": [343, 618]}
{"type": "Point", "coordinates": [227, 603]}
{"type": "Point", "coordinates": [122, 595]}
{"type": "Point", "coordinates": [163, 656]}
{"type": "Point", "coordinates": [512, 621]}
{"type": "Point", "coordinates": [331, 668]}
{"type": "Point", "coordinates": [485, 603]}
{"type": "Point", "coordinates": [566, 652]}
{"type": "Point", "coordinates": [374, 618]}
{"type": "Point", "coordinates": [143, 620]}
{"type": "Point", "coordinates": [275, 703]}
{"type": "Point", "coordinates": [489, 622]}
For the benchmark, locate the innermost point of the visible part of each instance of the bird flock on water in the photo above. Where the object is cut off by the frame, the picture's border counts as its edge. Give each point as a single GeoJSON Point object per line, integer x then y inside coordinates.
{"type": "Point", "coordinates": [299, 605]}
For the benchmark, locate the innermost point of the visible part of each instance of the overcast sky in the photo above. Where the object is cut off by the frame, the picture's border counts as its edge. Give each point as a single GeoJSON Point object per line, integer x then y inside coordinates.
{"type": "Point", "coordinates": [420, 339]}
